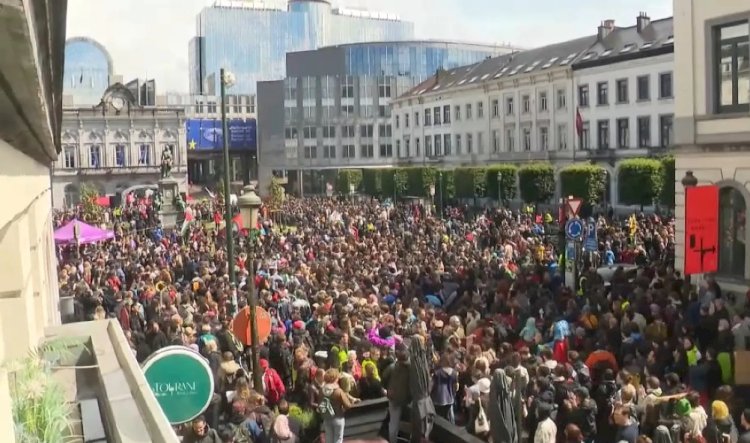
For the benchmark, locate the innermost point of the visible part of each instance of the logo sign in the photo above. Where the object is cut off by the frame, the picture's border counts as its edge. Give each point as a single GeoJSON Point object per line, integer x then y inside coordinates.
{"type": "Point", "coordinates": [574, 229]}
{"type": "Point", "coordinates": [208, 134]}
{"type": "Point", "coordinates": [241, 325]}
{"type": "Point", "coordinates": [591, 243]}
{"type": "Point", "coordinates": [701, 229]}
{"type": "Point", "coordinates": [574, 204]}
{"type": "Point", "coordinates": [570, 256]}
{"type": "Point", "coordinates": [181, 381]}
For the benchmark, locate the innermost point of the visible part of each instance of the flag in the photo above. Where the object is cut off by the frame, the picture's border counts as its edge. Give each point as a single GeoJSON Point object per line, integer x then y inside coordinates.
{"type": "Point", "coordinates": [579, 122]}
{"type": "Point", "coordinates": [80, 79]}
{"type": "Point", "coordinates": [354, 232]}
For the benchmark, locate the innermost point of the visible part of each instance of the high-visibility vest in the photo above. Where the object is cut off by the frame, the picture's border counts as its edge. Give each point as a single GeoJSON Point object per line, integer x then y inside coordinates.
{"type": "Point", "coordinates": [581, 284]}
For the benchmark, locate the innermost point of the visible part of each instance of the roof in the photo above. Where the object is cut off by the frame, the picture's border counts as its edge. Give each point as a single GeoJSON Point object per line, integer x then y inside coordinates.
{"type": "Point", "coordinates": [627, 43]}
{"type": "Point", "coordinates": [507, 65]}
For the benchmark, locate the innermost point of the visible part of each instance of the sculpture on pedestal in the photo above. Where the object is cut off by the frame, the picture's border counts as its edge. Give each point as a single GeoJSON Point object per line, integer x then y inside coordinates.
{"type": "Point", "coordinates": [166, 163]}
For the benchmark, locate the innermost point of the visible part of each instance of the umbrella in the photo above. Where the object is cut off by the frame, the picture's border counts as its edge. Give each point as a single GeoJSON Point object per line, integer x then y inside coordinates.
{"type": "Point", "coordinates": [502, 410]}
{"type": "Point", "coordinates": [422, 409]}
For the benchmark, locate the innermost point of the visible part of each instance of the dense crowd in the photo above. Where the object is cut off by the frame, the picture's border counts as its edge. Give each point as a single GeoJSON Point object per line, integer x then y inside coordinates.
{"type": "Point", "coordinates": [355, 288]}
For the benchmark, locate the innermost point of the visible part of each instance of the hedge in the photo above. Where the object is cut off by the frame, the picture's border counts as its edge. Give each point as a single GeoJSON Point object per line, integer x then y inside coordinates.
{"type": "Point", "coordinates": [347, 177]}
{"type": "Point", "coordinates": [640, 181]}
{"type": "Point", "coordinates": [508, 185]}
{"type": "Point", "coordinates": [668, 181]}
{"type": "Point", "coordinates": [464, 182]}
{"type": "Point", "coordinates": [584, 181]}
{"type": "Point", "coordinates": [372, 182]}
{"type": "Point", "coordinates": [536, 182]}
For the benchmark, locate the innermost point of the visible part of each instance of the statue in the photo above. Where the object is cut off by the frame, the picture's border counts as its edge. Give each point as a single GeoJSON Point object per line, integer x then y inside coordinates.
{"type": "Point", "coordinates": [166, 163]}
{"type": "Point", "coordinates": [157, 202]}
{"type": "Point", "coordinates": [179, 202]}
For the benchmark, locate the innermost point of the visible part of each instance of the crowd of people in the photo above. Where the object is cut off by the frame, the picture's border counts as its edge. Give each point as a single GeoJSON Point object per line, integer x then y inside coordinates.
{"type": "Point", "coordinates": [358, 289]}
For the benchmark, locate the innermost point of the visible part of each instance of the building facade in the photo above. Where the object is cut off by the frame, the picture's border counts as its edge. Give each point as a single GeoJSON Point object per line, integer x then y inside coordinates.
{"type": "Point", "coordinates": [712, 124]}
{"type": "Point", "coordinates": [333, 110]}
{"type": "Point", "coordinates": [116, 146]}
{"type": "Point", "coordinates": [251, 39]}
{"type": "Point", "coordinates": [89, 71]}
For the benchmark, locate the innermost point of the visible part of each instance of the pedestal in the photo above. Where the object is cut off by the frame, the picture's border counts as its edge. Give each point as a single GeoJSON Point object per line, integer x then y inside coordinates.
{"type": "Point", "coordinates": [169, 188]}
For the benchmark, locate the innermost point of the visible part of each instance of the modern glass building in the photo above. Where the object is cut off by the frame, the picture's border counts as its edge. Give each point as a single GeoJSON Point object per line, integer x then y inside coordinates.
{"type": "Point", "coordinates": [88, 70]}
{"type": "Point", "coordinates": [333, 109]}
{"type": "Point", "coordinates": [251, 39]}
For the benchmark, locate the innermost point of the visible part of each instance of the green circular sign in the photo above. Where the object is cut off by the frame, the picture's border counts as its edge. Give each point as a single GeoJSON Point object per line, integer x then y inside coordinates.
{"type": "Point", "coordinates": [182, 382]}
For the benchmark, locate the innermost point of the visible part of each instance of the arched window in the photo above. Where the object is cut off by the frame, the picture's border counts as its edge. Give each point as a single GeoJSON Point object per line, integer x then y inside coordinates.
{"type": "Point", "coordinates": [72, 195]}
{"type": "Point", "coordinates": [732, 224]}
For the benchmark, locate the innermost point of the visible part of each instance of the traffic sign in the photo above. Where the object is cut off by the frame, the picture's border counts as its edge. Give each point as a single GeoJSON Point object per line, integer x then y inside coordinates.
{"type": "Point", "coordinates": [574, 204]}
{"type": "Point", "coordinates": [574, 229]}
{"type": "Point", "coordinates": [591, 243]}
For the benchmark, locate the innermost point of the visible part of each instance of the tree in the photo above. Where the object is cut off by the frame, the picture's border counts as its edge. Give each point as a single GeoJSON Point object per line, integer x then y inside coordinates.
{"type": "Point", "coordinates": [584, 181]}
{"type": "Point", "coordinates": [668, 181]}
{"type": "Point", "coordinates": [447, 186]}
{"type": "Point", "coordinates": [536, 181]}
{"type": "Point", "coordinates": [276, 194]}
{"type": "Point", "coordinates": [508, 184]}
{"type": "Point", "coordinates": [92, 212]}
{"type": "Point", "coordinates": [640, 181]}
{"type": "Point", "coordinates": [479, 181]}
{"type": "Point", "coordinates": [346, 178]}
{"type": "Point", "coordinates": [400, 181]}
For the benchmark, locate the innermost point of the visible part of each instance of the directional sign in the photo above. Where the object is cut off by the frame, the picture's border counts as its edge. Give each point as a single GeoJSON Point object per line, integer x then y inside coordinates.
{"type": "Point", "coordinates": [591, 243]}
{"type": "Point", "coordinates": [701, 229]}
{"type": "Point", "coordinates": [574, 229]}
{"type": "Point", "coordinates": [574, 204]}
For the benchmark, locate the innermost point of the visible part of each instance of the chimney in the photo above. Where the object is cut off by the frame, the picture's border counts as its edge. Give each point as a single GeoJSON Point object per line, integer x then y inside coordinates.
{"type": "Point", "coordinates": [605, 28]}
{"type": "Point", "coordinates": [642, 21]}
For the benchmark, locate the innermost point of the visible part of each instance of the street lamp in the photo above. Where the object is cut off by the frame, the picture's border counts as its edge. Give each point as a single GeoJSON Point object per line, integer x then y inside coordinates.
{"type": "Point", "coordinates": [688, 181]}
{"type": "Point", "coordinates": [432, 196]}
{"type": "Point", "coordinates": [227, 81]}
{"type": "Point", "coordinates": [249, 204]}
{"type": "Point", "coordinates": [499, 188]}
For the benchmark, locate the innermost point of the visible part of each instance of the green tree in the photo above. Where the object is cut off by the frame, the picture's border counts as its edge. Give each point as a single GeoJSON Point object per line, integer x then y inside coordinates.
{"type": "Point", "coordinates": [479, 179]}
{"type": "Point", "coordinates": [447, 186]}
{"type": "Point", "coordinates": [508, 185]}
{"type": "Point", "coordinates": [584, 181]}
{"type": "Point", "coordinates": [536, 182]}
{"type": "Point", "coordinates": [400, 181]}
{"type": "Point", "coordinates": [668, 181]}
{"type": "Point", "coordinates": [346, 178]}
{"type": "Point", "coordinates": [640, 181]}
{"type": "Point", "coordinates": [92, 212]}
{"type": "Point", "coordinates": [276, 194]}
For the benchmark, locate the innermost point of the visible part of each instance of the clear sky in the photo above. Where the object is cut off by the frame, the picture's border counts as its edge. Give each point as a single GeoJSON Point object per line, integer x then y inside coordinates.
{"type": "Point", "coordinates": [150, 37]}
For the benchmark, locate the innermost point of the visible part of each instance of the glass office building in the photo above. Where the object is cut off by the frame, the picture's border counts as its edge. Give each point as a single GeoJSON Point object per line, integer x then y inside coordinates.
{"type": "Point", "coordinates": [88, 71]}
{"type": "Point", "coordinates": [252, 40]}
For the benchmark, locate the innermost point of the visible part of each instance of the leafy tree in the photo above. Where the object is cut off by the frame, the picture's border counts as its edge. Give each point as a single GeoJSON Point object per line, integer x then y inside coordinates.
{"type": "Point", "coordinates": [640, 181]}
{"type": "Point", "coordinates": [479, 179]}
{"type": "Point", "coordinates": [276, 193]}
{"type": "Point", "coordinates": [447, 185]}
{"type": "Point", "coordinates": [346, 178]}
{"type": "Point", "coordinates": [668, 181]}
{"type": "Point", "coordinates": [536, 181]}
{"type": "Point", "coordinates": [584, 181]}
{"type": "Point", "coordinates": [92, 212]}
{"type": "Point", "coordinates": [508, 185]}
{"type": "Point", "coordinates": [400, 181]}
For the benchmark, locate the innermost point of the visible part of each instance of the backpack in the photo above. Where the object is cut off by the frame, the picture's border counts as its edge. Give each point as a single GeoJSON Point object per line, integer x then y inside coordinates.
{"type": "Point", "coordinates": [241, 434]}
{"type": "Point", "coordinates": [325, 407]}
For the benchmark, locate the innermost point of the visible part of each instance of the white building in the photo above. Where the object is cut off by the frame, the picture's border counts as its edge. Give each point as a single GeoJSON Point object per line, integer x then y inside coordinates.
{"type": "Point", "coordinates": [712, 123]}
{"type": "Point", "coordinates": [116, 146]}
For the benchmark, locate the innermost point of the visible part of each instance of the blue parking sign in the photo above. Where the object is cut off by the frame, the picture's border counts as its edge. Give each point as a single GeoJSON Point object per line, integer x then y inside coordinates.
{"type": "Point", "coordinates": [591, 243]}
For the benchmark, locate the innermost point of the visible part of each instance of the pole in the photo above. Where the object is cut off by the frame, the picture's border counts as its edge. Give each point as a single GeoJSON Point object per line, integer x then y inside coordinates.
{"type": "Point", "coordinates": [228, 228]}
{"type": "Point", "coordinates": [252, 301]}
{"type": "Point", "coordinates": [440, 177]}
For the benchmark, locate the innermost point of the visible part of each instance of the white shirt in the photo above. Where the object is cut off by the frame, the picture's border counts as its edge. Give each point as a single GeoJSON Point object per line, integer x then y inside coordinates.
{"type": "Point", "coordinates": [546, 431]}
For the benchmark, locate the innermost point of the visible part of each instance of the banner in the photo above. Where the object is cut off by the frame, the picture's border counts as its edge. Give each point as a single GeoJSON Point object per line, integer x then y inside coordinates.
{"type": "Point", "coordinates": [207, 134]}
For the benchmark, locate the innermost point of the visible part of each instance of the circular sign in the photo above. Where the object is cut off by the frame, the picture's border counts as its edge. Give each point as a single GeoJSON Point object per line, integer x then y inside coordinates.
{"type": "Point", "coordinates": [241, 325]}
{"type": "Point", "coordinates": [574, 229]}
{"type": "Point", "coordinates": [182, 382]}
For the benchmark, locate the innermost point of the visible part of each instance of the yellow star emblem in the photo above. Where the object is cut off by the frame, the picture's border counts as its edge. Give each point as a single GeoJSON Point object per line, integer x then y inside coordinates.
{"type": "Point", "coordinates": [191, 145]}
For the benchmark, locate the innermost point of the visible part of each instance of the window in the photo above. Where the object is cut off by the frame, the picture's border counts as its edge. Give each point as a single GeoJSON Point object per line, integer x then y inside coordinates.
{"type": "Point", "coordinates": [347, 151]}
{"type": "Point", "coordinates": [469, 143]}
{"type": "Point", "coordinates": [561, 99]}
{"type": "Point", "coordinates": [311, 152]}
{"type": "Point", "coordinates": [366, 111]}
{"type": "Point", "coordinates": [347, 131]}
{"type": "Point", "coordinates": [623, 133]}
{"type": "Point", "coordinates": [120, 155]}
{"type": "Point", "coordinates": [543, 102]}
{"type": "Point", "coordinates": [732, 67]}
{"type": "Point", "coordinates": [510, 139]}
{"type": "Point", "coordinates": [384, 87]}
{"type": "Point", "coordinates": [329, 113]}
{"type": "Point", "coordinates": [509, 106]}
{"type": "Point", "coordinates": [309, 112]}
{"type": "Point", "coordinates": [480, 109]}
{"type": "Point", "coordinates": [525, 104]}
{"type": "Point", "coordinates": [438, 145]}
{"type": "Point", "coordinates": [398, 148]}
{"type": "Point", "coordinates": [602, 133]}
{"type": "Point", "coordinates": [406, 120]}
{"type": "Point", "coordinates": [480, 142]}
{"type": "Point", "coordinates": [384, 111]}
{"type": "Point", "coordinates": [327, 87]}
{"type": "Point", "coordinates": [665, 85]}
{"type": "Point", "coordinates": [468, 111]}
{"type": "Point", "coordinates": [495, 141]}
{"type": "Point", "coordinates": [308, 88]}
{"type": "Point", "coordinates": [290, 89]}
{"type": "Point", "coordinates": [732, 229]}
{"type": "Point", "coordinates": [347, 111]}
{"type": "Point", "coordinates": [407, 147]}
{"type": "Point", "coordinates": [69, 157]}
{"type": "Point", "coordinates": [397, 121]}
{"type": "Point", "coordinates": [428, 146]}
{"type": "Point", "coordinates": [436, 116]}
{"type": "Point", "coordinates": [644, 89]}
{"type": "Point", "coordinates": [427, 117]}
{"type": "Point", "coordinates": [622, 90]}
{"type": "Point", "coordinates": [144, 155]}
{"type": "Point", "coordinates": [458, 144]}
{"type": "Point", "coordinates": [416, 119]}
{"type": "Point", "coordinates": [665, 130]}
{"type": "Point", "coordinates": [457, 112]}
{"type": "Point", "coordinates": [347, 87]}
{"type": "Point", "coordinates": [602, 93]}
{"type": "Point", "coordinates": [495, 108]}
{"type": "Point", "coordinates": [562, 137]}
{"type": "Point", "coordinates": [384, 131]}
{"type": "Point", "coordinates": [586, 136]}
{"type": "Point", "coordinates": [310, 132]}
{"type": "Point", "coordinates": [644, 131]}
{"type": "Point", "coordinates": [386, 150]}
{"type": "Point", "coordinates": [446, 114]}
{"type": "Point", "coordinates": [290, 133]}
{"type": "Point", "coordinates": [543, 138]}
{"type": "Point", "coordinates": [526, 139]}
{"type": "Point", "coordinates": [329, 151]}
{"type": "Point", "coordinates": [329, 132]}
{"type": "Point", "coordinates": [583, 96]}
{"type": "Point", "coordinates": [365, 131]}
{"type": "Point", "coordinates": [367, 151]}
{"type": "Point", "coordinates": [95, 156]}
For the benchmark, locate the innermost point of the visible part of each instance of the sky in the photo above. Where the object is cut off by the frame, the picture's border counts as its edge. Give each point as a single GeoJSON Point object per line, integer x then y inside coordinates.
{"type": "Point", "coordinates": [149, 38]}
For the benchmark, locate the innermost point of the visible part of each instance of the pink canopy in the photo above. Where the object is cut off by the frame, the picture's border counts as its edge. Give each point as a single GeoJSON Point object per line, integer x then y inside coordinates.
{"type": "Point", "coordinates": [86, 233]}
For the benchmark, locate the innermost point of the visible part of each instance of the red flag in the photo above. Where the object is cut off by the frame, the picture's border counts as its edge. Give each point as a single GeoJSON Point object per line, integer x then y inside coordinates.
{"type": "Point", "coordinates": [579, 122]}
{"type": "Point", "coordinates": [354, 232]}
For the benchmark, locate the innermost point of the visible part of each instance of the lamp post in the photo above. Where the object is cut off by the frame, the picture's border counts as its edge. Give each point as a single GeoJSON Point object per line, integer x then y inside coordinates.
{"type": "Point", "coordinates": [499, 188]}
{"type": "Point", "coordinates": [227, 80]}
{"type": "Point", "coordinates": [688, 181]}
{"type": "Point", "coordinates": [249, 204]}
{"type": "Point", "coordinates": [432, 196]}
{"type": "Point", "coordinates": [442, 189]}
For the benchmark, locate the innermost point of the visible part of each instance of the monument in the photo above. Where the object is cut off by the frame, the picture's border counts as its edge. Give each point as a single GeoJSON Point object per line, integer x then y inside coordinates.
{"type": "Point", "coordinates": [168, 202]}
